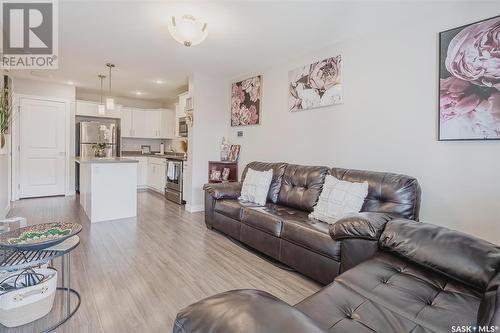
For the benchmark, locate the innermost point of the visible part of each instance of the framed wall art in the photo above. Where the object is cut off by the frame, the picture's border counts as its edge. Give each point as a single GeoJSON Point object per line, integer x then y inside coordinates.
{"type": "Point", "coordinates": [315, 85]}
{"type": "Point", "coordinates": [469, 82]}
{"type": "Point", "coordinates": [246, 98]}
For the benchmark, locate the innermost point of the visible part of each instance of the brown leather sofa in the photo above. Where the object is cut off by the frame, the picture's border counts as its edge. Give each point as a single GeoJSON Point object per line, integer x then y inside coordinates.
{"type": "Point", "coordinates": [421, 279]}
{"type": "Point", "coordinates": [282, 229]}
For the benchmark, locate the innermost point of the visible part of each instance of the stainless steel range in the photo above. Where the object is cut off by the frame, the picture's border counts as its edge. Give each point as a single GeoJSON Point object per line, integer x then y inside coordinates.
{"type": "Point", "coordinates": [173, 189]}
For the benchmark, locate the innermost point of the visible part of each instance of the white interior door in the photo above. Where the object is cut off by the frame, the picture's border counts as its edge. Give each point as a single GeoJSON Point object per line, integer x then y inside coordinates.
{"type": "Point", "coordinates": [42, 148]}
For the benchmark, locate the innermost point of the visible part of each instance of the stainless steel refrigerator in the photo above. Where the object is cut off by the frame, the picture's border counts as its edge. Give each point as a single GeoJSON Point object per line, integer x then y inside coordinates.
{"type": "Point", "coordinates": [90, 133]}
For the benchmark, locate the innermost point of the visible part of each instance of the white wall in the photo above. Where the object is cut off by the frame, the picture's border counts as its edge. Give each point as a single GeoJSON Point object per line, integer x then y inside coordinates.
{"type": "Point", "coordinates": [56, 91]}
{"type": "Point", "coordinates": [388, 122]}
{"type": "Point", "coordinates": [210, 97]}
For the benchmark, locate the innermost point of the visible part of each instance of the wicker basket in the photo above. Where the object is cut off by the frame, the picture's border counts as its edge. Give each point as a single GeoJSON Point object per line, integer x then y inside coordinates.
{"type": "Point", "coordinates": [24, 305]}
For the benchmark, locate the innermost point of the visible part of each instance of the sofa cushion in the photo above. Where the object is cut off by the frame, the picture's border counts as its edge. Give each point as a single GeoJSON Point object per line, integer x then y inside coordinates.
{"type": "Point", "coordinates": [249, 311]}
{"type": "Point", "coordinates": [466, 258]}
{"type": "Point", "coordinates": [387, 192]}
{"type": "Point", "coordinates": [256, 186]}
{"type": "Point", "coordinates": [339, 198]}
{"type": "Point", "coordinates": [270, 218]}
{"type": "Point", "coordinates": [278, 170]}
{"type": "Point", "coordinates": [391, 295]}
{"type": "Point", "coordinates": [312, 235]}
{"type": "Point", "coordinates": [230, 208]}
{"type": "Point", "coordinates": [301, 186]}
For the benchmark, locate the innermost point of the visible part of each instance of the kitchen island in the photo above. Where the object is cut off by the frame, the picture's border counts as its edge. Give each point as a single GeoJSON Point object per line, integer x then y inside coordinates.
{"type": "Point", "coordinates": [108, 188]}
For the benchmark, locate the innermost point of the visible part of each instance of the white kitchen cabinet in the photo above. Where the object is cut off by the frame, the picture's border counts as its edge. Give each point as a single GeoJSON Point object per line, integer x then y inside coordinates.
{"type": "Point", "coordinates": [148, 123]}
{"type": "Point", "coordinates": [90, 109]}
{"type": "Point", "coordinates": [141, 124]}
{"type": "Point", "coordinates": [167, 129]}
{"type": "Point", "coordinates": [154, 118]}
{"type": "Point", "coordinates": [126, 123]}
{"type": "Point", "coordinates": [142, 172]}
{"type": "Point", "coordinates": [157, 170]}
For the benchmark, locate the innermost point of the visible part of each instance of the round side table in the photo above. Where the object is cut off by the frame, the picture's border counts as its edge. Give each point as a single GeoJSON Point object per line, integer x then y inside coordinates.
{"type": "Point", "coordinates": [11, 260]}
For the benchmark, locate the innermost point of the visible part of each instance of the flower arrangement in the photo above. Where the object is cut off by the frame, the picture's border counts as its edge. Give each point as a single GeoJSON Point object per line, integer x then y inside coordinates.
{"type": "Point", "coordinates": [99, 149]}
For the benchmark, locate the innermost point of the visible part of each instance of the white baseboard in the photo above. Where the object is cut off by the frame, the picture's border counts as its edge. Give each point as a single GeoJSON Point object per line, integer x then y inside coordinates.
{"type": "Point", "coordinates": [194, 208]}
{"type": "Point", "coordinates": [71, 193]}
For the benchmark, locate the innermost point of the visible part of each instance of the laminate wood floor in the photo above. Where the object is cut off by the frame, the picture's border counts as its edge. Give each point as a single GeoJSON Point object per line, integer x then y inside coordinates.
{"type": "Point", "coordinates": [134, 275]}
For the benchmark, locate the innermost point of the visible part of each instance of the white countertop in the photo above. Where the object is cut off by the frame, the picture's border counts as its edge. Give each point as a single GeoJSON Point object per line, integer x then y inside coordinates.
{"type": "Point", "coordinates": [82, 160]}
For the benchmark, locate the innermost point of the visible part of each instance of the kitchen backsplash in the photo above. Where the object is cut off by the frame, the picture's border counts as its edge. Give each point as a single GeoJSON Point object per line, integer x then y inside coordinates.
{"type": "Point", "coordinates": [133, 144]}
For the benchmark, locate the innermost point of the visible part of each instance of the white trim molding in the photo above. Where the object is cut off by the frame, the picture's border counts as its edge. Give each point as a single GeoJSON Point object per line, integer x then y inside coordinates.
{"type": "Point", "coordinates": [194, 208]}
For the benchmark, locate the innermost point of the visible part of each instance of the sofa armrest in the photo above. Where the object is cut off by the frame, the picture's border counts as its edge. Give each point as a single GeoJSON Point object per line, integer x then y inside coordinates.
{"type": "Point", "coordinates": [243, 311]}
{"type": "Point", "coordinates": [223, 190]}
{"type": "Point", "coordinates": [365, 225]}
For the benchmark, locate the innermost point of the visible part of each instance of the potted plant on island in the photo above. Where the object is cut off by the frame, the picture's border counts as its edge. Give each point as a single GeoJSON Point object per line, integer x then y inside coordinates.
{"type": "Point", "coordinates": [99, 149]}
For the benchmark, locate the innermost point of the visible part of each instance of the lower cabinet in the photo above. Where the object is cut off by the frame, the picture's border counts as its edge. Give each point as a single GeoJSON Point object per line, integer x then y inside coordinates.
{"type": "Point", "coordinates": [151, 173]}
{"type": "Point", "coordinates": [157, 171]}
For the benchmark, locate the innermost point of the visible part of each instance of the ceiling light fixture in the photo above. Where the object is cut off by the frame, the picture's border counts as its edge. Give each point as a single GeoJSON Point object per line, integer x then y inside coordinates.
{"type": "Point", "coordinates": [71, 83]}
{"type": "Point", "coordinates": [159, 81]}
{"type": "Point", "coordinates": [101, 109]}
{"type": "Point", "coordinates": [110, 102]}
{"type": "Point", "coordinates": [187, 30]}
{"type": "Point", "coordinates": [139, 93]}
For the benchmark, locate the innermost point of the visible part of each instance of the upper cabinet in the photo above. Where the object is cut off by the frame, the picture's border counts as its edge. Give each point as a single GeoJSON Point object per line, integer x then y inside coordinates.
{"type": "Point", "coordinates": [126, 123]}
{"type": "Point", "coordinates": [147, 123]}
{"type": "Point", "coordinates": [90, 109]}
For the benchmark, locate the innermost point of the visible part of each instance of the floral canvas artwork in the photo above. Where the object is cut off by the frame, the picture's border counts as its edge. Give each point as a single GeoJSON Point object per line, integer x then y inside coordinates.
{"type": "Point", "coordinates": [246, 98]}
{"type": "Point", "coordinates": [315, 85]}
{"type": "Point", "coordinates": [469, 82]}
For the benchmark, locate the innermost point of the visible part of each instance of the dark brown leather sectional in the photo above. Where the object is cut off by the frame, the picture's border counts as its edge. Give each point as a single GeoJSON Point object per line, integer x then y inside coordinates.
{"type": "Point", "coordinates": [420, 278]}
{"type": "Point", "coordinates": [282, 229]}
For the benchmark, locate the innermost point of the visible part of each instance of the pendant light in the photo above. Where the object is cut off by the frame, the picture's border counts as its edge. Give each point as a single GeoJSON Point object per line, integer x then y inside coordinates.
{"type": "Point", "coordinates": [101, 109]}
{"type": "Point", "coordinates": [110, 102]}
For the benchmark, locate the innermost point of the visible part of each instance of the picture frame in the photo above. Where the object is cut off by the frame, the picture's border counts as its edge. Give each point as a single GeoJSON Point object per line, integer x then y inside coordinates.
{"type": "Point", "coordinates": [246, 100]}
{"type": "Point", "coordinates": [468, 103]}
{"type": "Point", "coordinates": [315, 85]}
{"type": "Point", "coordinates": [234, 153]}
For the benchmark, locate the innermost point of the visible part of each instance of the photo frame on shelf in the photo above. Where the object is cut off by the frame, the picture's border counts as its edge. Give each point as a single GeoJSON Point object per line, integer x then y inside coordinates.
{"type": "Point", "coordinates": [234, 153]}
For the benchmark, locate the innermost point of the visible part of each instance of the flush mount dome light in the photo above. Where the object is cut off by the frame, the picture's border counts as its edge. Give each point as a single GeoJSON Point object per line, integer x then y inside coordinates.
{"type": "Point", "coordinates": [187, 30]}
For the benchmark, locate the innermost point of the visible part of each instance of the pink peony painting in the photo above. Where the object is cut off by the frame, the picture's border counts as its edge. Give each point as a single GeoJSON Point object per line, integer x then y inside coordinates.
{"type": "Point", "coordinates": [469, 82]}
{"type": "Point", "coordinates": [246, 97]}
{"type": "Point", "coordinates": [315, 85]}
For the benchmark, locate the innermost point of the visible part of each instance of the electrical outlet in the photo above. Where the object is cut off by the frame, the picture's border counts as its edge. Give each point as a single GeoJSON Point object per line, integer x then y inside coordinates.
{"type": "Point", "coordinates": [240, 134]}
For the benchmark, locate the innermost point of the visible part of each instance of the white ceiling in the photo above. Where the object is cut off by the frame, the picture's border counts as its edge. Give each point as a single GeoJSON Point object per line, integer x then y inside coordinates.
{"type": "Point", "coordinates": [244, 37]}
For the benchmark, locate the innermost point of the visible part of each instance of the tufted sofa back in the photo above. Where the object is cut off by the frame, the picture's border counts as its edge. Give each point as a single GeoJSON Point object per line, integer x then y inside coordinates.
{"type": "Point", "coordinates": [387, 192]}
{"type": "Point", "coordinates": [301, 186]}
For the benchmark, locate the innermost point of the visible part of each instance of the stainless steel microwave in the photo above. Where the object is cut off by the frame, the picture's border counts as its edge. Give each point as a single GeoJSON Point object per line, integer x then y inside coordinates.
{"type": "Point", "coordinates": [183, 127]}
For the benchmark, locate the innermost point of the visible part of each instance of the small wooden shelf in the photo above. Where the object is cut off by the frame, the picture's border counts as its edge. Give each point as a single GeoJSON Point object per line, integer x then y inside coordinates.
{"type": "Point", "coordinates": [216, 171]}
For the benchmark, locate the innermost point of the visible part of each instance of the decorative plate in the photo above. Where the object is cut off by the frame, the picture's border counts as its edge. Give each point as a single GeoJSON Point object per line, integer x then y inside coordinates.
{"type": "Point", "coordinates": [39, 236]}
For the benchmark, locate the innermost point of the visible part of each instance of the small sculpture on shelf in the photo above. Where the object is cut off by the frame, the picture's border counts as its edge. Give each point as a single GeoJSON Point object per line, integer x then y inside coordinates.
{"type": "Point", "coordinates": [224, 149]}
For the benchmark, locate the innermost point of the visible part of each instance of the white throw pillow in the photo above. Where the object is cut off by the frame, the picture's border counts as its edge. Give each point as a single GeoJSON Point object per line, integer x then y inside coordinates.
{"type": "Point", "coordinates": [256, 185]}
{"type": "Point", "coordinates": [338, 199]}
